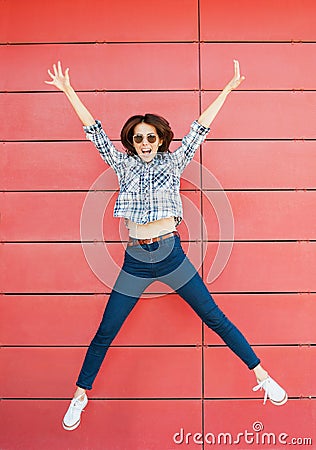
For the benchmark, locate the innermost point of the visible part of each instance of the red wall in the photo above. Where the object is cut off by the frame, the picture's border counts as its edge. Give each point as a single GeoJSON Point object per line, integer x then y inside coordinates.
{"type": "Point", "coordinates": [164, 371]}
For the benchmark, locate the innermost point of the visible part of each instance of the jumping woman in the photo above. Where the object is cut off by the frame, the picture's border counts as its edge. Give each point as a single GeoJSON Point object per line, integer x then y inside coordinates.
{"type": "Point", "coordinates": [149, 201]}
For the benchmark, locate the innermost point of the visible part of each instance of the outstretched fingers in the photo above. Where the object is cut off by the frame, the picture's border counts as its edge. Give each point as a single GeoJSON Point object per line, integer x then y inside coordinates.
{"type": "Point", "coordinates": [238, 79]}
{"type": "Point", "coordinates": [60, 72]}
{"type": "Point", "coordinates": [52, 78]}
{"type": "Point", "coordinates": [55, 70]}
{"type": "Point", "coordinates": [237, 69]}
{"type": "Point", "coordinates": [59, 79]}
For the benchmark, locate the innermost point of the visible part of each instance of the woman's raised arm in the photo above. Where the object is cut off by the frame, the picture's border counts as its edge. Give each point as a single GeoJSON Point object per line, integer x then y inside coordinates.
{"type": "Point", "coordinates": [62, 82]}
{"type": "Point", "coordinates": [207, 116]}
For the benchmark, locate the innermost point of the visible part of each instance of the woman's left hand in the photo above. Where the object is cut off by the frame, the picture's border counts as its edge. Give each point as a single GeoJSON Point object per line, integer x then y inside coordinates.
{"type": "Point", "coordinates": [236, 80]}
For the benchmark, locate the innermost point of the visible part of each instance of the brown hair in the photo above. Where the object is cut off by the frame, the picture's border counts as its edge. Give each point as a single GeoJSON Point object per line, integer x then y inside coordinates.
{"type": "Point", "coordinates": [162, 126]}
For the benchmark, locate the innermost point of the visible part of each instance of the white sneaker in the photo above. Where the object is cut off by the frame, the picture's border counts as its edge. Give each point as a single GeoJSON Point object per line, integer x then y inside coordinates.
{"type": "Point", "coordinates": [273, 390]}
{"type": "Point", "coordinates": [72, 417]}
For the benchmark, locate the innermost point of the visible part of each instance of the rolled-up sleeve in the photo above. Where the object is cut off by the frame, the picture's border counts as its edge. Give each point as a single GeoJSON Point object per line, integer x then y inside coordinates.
{"type": "Point", "coordinates": [107, 150]}
{"type": "Point", "coordinates": [196, 136]}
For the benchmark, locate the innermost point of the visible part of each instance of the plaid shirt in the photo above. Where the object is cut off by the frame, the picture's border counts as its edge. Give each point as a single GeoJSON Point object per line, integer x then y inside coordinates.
{"type": "Point", "coordinates": [148, 191]}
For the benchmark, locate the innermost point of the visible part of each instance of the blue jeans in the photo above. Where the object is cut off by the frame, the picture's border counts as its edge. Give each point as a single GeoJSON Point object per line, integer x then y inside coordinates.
{"type": "Point", "coordinates": [163, 261]}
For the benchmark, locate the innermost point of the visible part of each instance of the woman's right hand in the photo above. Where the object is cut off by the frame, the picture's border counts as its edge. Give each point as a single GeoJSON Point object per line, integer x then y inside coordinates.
{"type": "Point", "coordinates": [62, 82]}
{"type": "Point", "coordinates": [59, 80]}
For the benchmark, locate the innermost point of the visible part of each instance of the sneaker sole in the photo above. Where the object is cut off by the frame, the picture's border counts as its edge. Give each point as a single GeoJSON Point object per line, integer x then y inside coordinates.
{"type": "Point", "coordinates": [281, 402]}
{"type": "Point", "coordinates": [72, 427]}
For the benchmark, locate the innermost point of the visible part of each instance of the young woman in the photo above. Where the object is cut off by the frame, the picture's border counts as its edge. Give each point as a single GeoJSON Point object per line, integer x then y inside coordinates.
{"type": "Point", "coordinates": [149, 200]}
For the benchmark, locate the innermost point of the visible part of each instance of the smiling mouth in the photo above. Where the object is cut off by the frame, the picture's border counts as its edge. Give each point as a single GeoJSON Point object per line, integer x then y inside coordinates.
{"type": "Point", "coordinates": [146, 152]}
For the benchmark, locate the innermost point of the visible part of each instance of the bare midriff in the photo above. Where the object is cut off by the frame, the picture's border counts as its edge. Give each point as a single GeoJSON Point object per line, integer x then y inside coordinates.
{"type": "Point", "coordinates": [150, 229]}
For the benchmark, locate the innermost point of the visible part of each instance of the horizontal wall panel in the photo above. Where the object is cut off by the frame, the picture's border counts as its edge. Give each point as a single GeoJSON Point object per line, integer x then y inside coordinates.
{"type": "Point", "coordinates": [69, 267]}
{"type": "Point", "coordinates": [49, 116]}
{"type": "Point", "coordinates": [135, 423]}
{"type": "Point", "coordinates": [105, 22]}
{"type": "Point", "coordinates": [72, 166]}
{"type": "Point", "coordinates": [246, 114]}
{"type": "Point", "coordinates": [264, 115]}
{"type": "Point", "coordinates": [294, 60]}
{"type": "Point", "coordinates": [267, 20]}
{"type": "Point", "coordinates": [155, 320]}
{"type": "Point", "coordinates": [57, 267]}
{"type": "Point", "coordinates": [48, 216]}
{"type": "Point", "coordinates": [259, 215]}
{"type": "Point", "coordinates": [234, 164]}
{"type": "Point", "coordinates": [259, 164]}
{"type": "Point", "coordinates": [275, 426]}
{"type": "Point", "coordinates": [107, 69]}
{"type": "Point", "coordinates": [227, 377]}
{"type": "Point", "coordinates": [290, 318]}
{"type": "Point", "coordinates": [62, 268]}
{"type": "Point", "coordinates": [261, 267]}
{"type": "Point", "coordinates": [75, 216]}
{"type": "Point", "coordinates": [126, 372]}
{"type": "Point", "coordinates": [121, 424]}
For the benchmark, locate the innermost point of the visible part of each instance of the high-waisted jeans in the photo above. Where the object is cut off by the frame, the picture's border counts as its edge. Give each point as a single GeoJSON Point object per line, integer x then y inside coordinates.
{"type": "Point", "coordinates": [163, 261]}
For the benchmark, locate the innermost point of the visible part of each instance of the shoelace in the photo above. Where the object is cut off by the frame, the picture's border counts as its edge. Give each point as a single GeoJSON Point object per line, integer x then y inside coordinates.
{"type": "Point", "coordinates": [264, 384]}
{"type": "Point", "coordinates": [76, 405]}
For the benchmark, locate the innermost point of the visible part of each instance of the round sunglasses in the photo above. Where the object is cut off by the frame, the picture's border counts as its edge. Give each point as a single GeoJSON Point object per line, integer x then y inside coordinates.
{"type": "Point", "coordinates": [151, 138]}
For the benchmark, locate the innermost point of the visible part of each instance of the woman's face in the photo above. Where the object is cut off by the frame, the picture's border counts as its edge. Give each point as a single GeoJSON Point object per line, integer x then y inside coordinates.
{"type": "Point", "coordinates": [146, 149]}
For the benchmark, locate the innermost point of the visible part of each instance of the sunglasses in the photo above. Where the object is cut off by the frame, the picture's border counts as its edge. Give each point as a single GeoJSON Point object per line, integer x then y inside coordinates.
{"type": "Point", "coordinates": [151, 138]}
